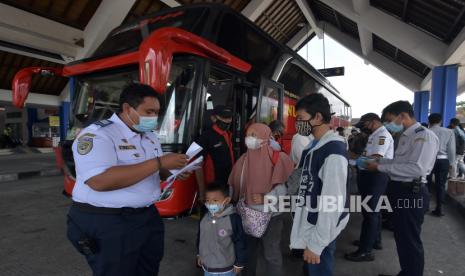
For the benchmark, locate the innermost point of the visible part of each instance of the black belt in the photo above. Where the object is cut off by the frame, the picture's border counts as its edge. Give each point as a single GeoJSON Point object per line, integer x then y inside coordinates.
{"type": "Point", "coordinates": [84, 207]}
{"type": "Point", "coordinates": [411, 186]}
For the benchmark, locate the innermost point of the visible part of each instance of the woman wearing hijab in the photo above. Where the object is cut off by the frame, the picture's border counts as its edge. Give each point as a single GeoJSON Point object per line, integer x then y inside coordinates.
{"type": "Point", "coordinates": [263, 173]}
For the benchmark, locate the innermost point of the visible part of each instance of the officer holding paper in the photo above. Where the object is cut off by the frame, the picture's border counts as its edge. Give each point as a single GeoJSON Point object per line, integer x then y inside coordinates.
{"type": "Point", "coordinates": [372, 184]}
{"type": "Point", "coordinates": [119, 162]}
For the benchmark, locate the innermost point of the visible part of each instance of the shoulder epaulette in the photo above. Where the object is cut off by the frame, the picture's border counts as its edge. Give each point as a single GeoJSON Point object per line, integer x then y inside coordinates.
{"type": "Point", "coordinates": [103, 123]}
{"type": "Point", "coordinates": [419, 129]}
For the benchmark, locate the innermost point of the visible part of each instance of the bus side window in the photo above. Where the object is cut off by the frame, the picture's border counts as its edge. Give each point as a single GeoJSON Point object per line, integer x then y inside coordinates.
{"type": "Point", "coordinates": [271, 101]}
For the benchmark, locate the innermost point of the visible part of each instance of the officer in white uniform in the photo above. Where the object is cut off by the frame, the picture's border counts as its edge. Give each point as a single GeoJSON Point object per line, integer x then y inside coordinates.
{"type": "Point", "coordinates": [372, 184]}
{"type": "Point", "coordinates": [413, 160]}
{"type": "Point", "coordinates": [113, 220]}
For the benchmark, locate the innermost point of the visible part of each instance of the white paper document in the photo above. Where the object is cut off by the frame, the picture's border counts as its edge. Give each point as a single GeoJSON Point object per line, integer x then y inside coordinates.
{"type": "Point", "coordinates": [192, 166]}
{"type": "Point", "coordinates": [193, 150]}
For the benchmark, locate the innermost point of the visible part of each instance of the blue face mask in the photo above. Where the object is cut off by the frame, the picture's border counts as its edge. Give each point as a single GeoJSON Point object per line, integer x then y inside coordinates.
{"type": "Point", "coordinates": [214, 208]}
{"type": "Point", "coordinates": [393, 127]}
{"type": "Point", "coordinates": [146, 123]}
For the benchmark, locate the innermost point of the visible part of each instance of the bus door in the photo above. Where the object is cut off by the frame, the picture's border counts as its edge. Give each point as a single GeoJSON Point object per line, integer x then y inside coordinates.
{"type": "Point", "coordinates": [270, 104]}
{"type": "Point", "coordinates": [230, 89]}
{"type": "Point", "coordinates": [246, 99]}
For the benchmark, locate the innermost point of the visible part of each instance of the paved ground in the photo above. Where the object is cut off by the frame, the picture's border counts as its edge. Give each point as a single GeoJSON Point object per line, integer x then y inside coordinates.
{"type": "Point", "coordinates": [33, 242]}
{"type": "Point", "coordinates": [26, 162]}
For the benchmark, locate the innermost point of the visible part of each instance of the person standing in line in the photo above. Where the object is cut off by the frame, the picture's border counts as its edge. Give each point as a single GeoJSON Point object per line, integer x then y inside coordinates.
{"type": "Point", "coordinates": [324, 175]}
{"type": "Point", "coordinates": [458, 168]}
{"type": "Point", "coordinates": [444, 160]}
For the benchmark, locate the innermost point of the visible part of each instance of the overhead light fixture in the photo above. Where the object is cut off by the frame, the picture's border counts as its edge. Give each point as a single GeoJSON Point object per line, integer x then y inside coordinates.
{"type": "Point", "coordinates": [301, 24]}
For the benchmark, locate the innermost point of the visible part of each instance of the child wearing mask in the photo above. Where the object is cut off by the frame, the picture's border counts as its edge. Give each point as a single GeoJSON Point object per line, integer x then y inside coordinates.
{"type": "Point", "coordinates": [221, 241]}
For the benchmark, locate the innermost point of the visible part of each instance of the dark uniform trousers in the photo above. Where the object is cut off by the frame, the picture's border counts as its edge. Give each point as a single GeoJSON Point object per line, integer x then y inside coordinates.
{"type": "Point", "coordinates": [372, 184]}
{"type": "Point", "coordinates": [129, 243]}
{"type": "Point", "coordinates": [440, 171]}
{"type": "Point", "coordinates": [409, 208]}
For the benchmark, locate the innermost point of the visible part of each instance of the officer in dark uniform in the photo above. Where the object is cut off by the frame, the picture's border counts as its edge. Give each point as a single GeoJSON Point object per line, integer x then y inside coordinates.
{"type": "Point", "coordinates": [413, 161]}
{"type": "Point", "coordinates": [218, 154]}
{"type": "Point", "coordinates": [113, 221]}
{"type": "Point", "coordinates": [372, 184]}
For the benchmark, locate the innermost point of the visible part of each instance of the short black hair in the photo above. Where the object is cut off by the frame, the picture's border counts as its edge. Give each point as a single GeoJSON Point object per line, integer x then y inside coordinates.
{"type": "Point", "coordinates": [134, 94]}
{"type": "Point", "coordinates": [455, 121]}
{"type": "Point", "coordinates": [315, 103]}
{"type": "Point", "coordinates": [398, 107]}
{"type": "Point", "coordinates": [434, 118]}
{"type": "Point", "coordinates": [218, 187]}
{"type": "Point", "coordinates": [277, 126]}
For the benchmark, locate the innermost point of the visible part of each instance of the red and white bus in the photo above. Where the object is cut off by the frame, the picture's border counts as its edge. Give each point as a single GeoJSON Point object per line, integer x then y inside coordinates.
{"type": "Point", "coordinates": [196, 57]}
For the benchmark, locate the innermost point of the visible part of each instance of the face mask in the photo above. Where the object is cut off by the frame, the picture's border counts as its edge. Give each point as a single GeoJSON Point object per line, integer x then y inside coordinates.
{"type": "Point", "coordinates": [253, 142]}
{"type": "Point", "coordinates": [146, 123]}
{"type": "Point", "coordinates": [275, 145]}
{"type": "Point", "coordinates": [304, 128]}
{"type": "Point", "coordinates": [393, 127]}
{"type": "Point", "coordinates": [214, 208]}
{"type": "Point", "coordinates": [223, 125]}
{"type": "Point", "coordinates": [366, 130]}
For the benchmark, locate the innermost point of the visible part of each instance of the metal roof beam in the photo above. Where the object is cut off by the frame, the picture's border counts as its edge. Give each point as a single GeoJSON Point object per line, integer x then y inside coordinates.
{"type": "Point", "coordinates": [255, 8]}
{"type": "Point", "coordinates": [171, 3]}
{"type": "Point", "coordinates": [109, 15]}
{"type": "Point", "coordinates": [32, 99]}
{"type": "Point", "coordinates": [308, 13]}
{"type": "Point", "coordinates": [299, 38]}
{"type": "Point", "coordinates": [366, 37]}
{"type": "Point", "coordinates": [24, 28]}
{"type": "Point", "coordinates": [410, 40]}
{"type": "Point", "coordinates": [387, 66]}
{"type": "Point", "coordinates": [29, 54]}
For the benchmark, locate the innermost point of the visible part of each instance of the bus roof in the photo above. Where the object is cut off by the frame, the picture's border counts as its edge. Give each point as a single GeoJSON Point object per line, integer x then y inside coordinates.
{"type": "Point", "coordinates": [207, 21]}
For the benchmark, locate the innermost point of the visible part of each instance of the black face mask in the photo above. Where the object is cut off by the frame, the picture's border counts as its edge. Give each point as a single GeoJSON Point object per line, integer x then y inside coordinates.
{"type": "Point", "coordinates": [223, 125]}
{"type": "Point", "coordinates": [304, 127]}
{"type": "Point", "coordinates": [366, 130]}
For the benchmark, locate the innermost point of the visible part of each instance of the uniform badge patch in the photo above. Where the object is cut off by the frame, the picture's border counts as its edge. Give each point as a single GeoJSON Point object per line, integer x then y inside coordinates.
{"type": "Point", "coordinates": [85, 143]}
{"type": "Point", "coordinates": [381, 141]}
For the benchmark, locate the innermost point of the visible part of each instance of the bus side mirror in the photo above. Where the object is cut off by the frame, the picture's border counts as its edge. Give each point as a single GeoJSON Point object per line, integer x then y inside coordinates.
{"type": "Point", "coordinates": [22, 82]}
{"type": "Point", "coordinates": [157, 50]}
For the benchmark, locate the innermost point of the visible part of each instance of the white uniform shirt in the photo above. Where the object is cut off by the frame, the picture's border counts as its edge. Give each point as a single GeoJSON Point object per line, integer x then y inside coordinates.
{"type": "Point", "coordinates": [380, 142]}
{"type": "Point", "coordinates": [414, 157]}
{"type": "Point", "coordinates": [110, 143]}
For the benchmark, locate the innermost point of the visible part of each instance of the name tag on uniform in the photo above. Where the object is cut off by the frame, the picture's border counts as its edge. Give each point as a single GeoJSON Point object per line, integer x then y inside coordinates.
{"type": "Point", "coordinates": [217, 145]}
{"type": "Point", "coordinates": [127, 147]}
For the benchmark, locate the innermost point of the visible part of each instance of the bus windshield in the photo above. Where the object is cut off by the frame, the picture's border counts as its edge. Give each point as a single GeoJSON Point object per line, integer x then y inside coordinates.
{"type": "Point", "coordinates": [96, 97]}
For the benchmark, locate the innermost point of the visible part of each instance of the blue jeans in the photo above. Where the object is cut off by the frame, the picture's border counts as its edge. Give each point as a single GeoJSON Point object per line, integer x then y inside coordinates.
{"type": "Point", "coordinates": [325, 267]}
{"type": "Point", "coordinates": [230, 273]}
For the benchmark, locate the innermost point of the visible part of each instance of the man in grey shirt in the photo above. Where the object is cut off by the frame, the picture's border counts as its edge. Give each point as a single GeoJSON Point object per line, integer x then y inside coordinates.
{"type": "Point", "coordinates": [444, 160]}
{"type": "Point", "coordinates": [413, 161]}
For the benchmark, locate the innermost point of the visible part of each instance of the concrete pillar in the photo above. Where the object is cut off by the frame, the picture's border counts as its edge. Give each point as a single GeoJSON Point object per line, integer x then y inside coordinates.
{"type": "Point", "coordinates": [444, 91]}
{"type": "Point", "coordinates": [421, 106]}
